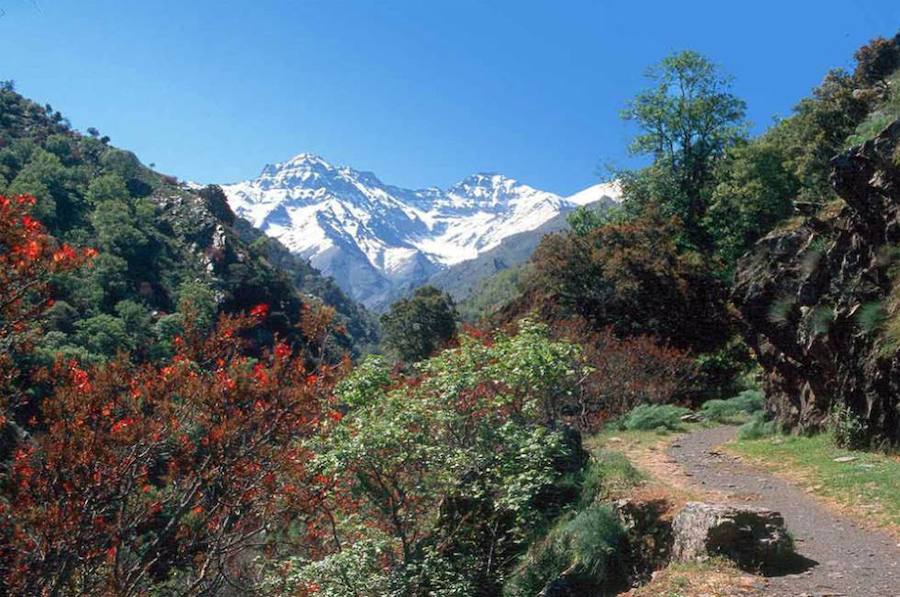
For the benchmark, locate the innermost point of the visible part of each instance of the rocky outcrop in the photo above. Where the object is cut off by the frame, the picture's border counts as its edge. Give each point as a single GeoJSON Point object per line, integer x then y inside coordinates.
{"type": "Point", "coordinates": [754, 538]}
{"type": "Point", "coordinates": [647, 540]}
{"type": "Point", "coordinates": [816, 299]}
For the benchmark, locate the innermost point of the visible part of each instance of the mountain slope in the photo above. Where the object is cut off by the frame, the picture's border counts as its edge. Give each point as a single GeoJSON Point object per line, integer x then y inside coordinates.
{"type": "Point", "coordinates": [461, 279]}
{"type": "Point", "coordinates": [161, 245]}
{"type": "Point", "coordinates": [376, 239]}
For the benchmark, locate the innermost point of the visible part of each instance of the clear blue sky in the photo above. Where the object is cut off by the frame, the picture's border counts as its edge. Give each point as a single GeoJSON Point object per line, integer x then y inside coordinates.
{"type": "Point", "coordinates": [421, 92]}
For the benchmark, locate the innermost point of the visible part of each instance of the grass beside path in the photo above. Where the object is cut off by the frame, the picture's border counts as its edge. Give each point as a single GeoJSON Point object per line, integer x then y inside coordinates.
{"type": "Point", "coordinates": [713, 578]}
{"type": "Point", "coordinates": [863, 485]}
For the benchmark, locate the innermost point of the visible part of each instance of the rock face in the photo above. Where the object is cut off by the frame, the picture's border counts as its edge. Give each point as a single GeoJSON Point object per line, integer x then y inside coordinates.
{"type": "Point", "coordinates": [817, 299]}
{"type": "Point", "coordinates": [647, 538]}
{"type": "Point", "coordinates": [753, 538]}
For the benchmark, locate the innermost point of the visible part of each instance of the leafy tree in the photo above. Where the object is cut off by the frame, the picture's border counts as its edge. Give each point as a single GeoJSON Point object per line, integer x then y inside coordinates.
{"type": "Point", "coordinates": [877, 60]}
{"type": "Point", "coordinates": [416, 327]}
{"type": "Point", "coordinates": [817, 131]}
{"type": "Point", "coordinates": [443, 475]}
{"type": "Point", "coordinates": [755, 191]}
{"type": "Point", "coordinates": [586, 218]}
{"type": "Point", "coordinates": [687, 120]}
{"type": "Point", "coordinates": [633, 277]}
{"type": "Point", "coordinates": [103, 335]}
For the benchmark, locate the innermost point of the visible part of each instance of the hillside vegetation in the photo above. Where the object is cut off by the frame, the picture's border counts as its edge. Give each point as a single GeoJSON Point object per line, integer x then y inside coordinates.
{"type": "Point", "coordinates": [179, 417]}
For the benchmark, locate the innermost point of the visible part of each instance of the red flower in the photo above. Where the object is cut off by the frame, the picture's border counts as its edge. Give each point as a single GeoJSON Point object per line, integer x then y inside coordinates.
{"type": "Point", "coordinates": [259, 373]}
{"type": "Point", "coordinates": [282, 350]}
{"type": "Point", "coordinates": [80, 379]}
{"type": "Point", "coordinates": [261, 310]}
{"type": "Point", "coordinates": [65, 254]}
{"type": "Point", "coordinates": [121, 425]}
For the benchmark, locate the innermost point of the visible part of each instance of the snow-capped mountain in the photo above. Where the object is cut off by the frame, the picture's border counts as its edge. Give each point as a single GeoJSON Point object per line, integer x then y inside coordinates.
{"type": "Point", "coordinates": [374, 238]}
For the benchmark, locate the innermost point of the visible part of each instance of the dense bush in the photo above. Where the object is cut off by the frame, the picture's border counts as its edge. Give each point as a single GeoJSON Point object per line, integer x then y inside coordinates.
{"type": "Point", "coordinates": [757, 427]}
{"type": "Point", "coordinates": [634, 278]}
{"type": "Point", "coordinates": [659, 417]}
{"type": "Point", "coordinates": [746, 403]}
{"type": "Point", "coordinates": [415, 327]}
{"type": "Point", "coordinates": [625, 372]}
{"type": "Point", "coordinates": [449, 472]}
{"type": "Point", "coordinates": [579, 553]}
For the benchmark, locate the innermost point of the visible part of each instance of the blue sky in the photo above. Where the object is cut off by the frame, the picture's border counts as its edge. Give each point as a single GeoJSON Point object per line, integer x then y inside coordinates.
{"type": "Point", "coordinates": [421, 92]}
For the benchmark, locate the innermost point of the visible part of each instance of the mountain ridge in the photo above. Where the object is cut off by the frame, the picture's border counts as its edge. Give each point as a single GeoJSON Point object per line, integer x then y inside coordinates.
{"type": "Point", "coordinates": [376, 239]}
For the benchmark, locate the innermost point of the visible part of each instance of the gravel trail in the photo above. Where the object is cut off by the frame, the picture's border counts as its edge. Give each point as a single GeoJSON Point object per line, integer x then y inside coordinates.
{"type": "Point", "coordinates": [840, 557]}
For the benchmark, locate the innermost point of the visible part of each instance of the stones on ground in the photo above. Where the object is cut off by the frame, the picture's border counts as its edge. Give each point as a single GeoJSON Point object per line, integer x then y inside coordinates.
{"type": "Point", "coordinates": [752, 537]}
{"type": "Point", "coordinates": [845, 459]}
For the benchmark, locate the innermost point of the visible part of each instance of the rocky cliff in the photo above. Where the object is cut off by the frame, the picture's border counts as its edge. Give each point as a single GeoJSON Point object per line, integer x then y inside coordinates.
{"type": "Point", "coordinates": [820, 298]}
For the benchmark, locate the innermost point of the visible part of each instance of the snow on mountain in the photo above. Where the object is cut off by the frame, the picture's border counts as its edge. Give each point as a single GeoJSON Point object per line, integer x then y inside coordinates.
{"type": "Point", "coordinates": [376, 239]}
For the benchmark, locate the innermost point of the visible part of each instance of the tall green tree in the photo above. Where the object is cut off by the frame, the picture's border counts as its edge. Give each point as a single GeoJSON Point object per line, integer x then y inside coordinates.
{"type": "Point", "coordinates": [416, 327]}
{"type": "Point", "coordinates": [688, 118]}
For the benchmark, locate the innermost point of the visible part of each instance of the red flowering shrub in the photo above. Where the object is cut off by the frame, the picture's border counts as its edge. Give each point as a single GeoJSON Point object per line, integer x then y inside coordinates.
{"type": "Point", "coordinates": [140, 476]}
{"type": "Point", "coordinates": [28, 258]}
{"type": "Point", "coordinates": [170, 477]}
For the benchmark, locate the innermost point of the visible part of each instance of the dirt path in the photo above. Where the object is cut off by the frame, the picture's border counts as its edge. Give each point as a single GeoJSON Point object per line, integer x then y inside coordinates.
{"type": "Point", "coordinates": [843, 558]}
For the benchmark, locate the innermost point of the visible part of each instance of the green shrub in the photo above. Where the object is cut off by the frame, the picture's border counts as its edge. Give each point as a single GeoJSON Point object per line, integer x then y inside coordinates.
{"type": "Point", "coordinates": [584, 546]}
{"type": "Point", "coordinates": [757, 428]}
{"type": "Point", "coordinates": [660, 417]}
{"type": "Point", "coordinates": [733, 409]}
{"type": "Point", "coordinates": [848, 430]}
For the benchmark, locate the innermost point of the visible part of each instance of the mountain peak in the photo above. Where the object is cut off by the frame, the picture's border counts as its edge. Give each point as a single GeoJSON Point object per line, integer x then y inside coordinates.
{"type": "Point", "coordinates": [375, 238]}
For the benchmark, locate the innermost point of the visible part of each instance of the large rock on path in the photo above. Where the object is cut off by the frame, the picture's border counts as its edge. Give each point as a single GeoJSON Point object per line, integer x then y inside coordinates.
{"type": "Point", "coordinates": [754, 538]}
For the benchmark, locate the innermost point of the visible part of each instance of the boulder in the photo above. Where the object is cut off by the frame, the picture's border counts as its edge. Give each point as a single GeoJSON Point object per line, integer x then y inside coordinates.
{"type": "Point", "coordinates": [754, 538]}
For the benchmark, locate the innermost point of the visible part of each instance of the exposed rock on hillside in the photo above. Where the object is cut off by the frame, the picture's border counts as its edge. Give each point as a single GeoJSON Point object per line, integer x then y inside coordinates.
{"type": "Point", "coordinates": [821, 302]}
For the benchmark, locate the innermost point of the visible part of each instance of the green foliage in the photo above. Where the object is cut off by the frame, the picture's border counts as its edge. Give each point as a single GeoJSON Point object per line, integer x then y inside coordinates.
{"type": "Point", "coordinates": [416, 327]}
{"type": "Point", "coordinates": [584, 546]}
{"type": "Point", "coordinates": [634, 277]}
{"type": "Point", "coordinates": [493, 293]}
{"type": "Point", "coordinates": [355, 570]}
{"type": "Point", "coordinates": [753, 192]}
{"type": "Point", "coordinates": [757, 427]}
{"type": "Point", "coordinates": [871, 316]}
{"type": "Point", "coordinates": [154, 237]}
{"type": "Point", "coordinates": [817, 132]}
{"type": "Point", "coordinates": [821, 319]}
{"type": "Point", "coordinates": [881, 116]}
{"type": "Point", "coordinates": [781, 310]}
{"type": "Point", "coordinates": [659, 417]}
{"type": "Point", "coordinates": [586, 218]}
{"type": "Point", "coordinates": [608, 473]}
{"type": "Point", "coordinates": [454, 458]}
{"type": "Point", "coordinates": [847, 428]}
{"type": "Point", "coordinates": [746, 403]}
{"type": "Point", "coordinates": [688, 119]}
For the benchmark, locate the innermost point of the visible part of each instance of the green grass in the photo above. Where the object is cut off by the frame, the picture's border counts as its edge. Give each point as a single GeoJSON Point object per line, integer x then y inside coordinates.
{"type": "Point", "coordinates": [868, 486]}
{"type": "Point", "coordinates": [655, 417]}
{"type": "Point", "coordinates": [734, 410]}
{"type": "Point", "coordinates": [609, 474]}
